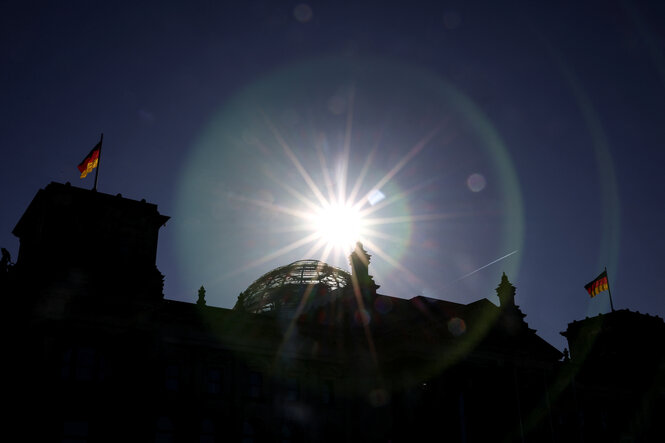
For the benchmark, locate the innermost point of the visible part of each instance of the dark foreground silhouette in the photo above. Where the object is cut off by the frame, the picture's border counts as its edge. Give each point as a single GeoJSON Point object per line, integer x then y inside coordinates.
{"type": "Point", "coordinates": [309, 353]}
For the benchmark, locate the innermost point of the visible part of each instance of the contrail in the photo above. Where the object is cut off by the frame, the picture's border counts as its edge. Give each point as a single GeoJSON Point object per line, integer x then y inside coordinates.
{"type": "Point", "coordinates": [483, 267]}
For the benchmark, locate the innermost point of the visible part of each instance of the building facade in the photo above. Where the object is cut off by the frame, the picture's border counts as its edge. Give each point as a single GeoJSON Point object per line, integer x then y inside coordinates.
{"type": "Point", "coordinates": [309, 353]}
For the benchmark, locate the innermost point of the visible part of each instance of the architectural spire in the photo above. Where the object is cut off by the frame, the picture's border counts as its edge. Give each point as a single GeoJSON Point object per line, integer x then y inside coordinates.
{"type": "Point", "coordinates": [202, 297]}
{"type": "Point", "coordinates": [512, 316]}
{"type": "Point", "coordinates": [359, 260]}
{"type": "Point", "coordinates": [506, 292]}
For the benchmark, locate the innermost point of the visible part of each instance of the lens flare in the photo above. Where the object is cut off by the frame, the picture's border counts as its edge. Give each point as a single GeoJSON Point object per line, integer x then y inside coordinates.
{"type": "Point", "coordinates": [476, 182]}
{"type": "Point", "coordinates": [322, 153]}
{"type": "Point", "coordinates": [339, 225]}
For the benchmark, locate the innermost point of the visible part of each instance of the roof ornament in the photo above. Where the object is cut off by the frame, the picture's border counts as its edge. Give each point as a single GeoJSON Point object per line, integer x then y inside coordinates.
{"type": "Point", "coordinates": [506, 292]}
{"type": "Point", "coordinates": [359, 260]}
{"type": "Point", "coordinates": [202, 297]}
{"type": "Point", "coordinates": [5, 261]}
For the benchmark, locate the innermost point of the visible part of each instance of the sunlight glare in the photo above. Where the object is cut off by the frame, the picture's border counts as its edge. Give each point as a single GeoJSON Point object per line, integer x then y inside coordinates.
{"type": "Point", "coordinates": [339, 224]}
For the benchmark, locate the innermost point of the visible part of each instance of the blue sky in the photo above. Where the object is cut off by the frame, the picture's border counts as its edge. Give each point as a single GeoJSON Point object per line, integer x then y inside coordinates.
{"type": "Point", "coordinates": [557, 108]}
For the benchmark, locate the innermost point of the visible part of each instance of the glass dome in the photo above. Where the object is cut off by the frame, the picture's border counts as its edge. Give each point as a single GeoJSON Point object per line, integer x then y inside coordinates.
{"type": "Point", "coordinates": [284, 288]}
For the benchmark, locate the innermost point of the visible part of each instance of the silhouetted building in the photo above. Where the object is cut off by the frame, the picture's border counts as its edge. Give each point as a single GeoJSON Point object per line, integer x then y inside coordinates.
{"type": "Point", "coordinates": [616, 378]}
{"type": "Point", "coordinates": [310, 352]}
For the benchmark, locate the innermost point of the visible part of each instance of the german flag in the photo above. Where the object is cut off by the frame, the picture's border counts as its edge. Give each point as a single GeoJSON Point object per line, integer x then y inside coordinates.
{"type": "Point", "coordinates": [90, 161]}
{"type": "Point", "coordinates": [598, 285]}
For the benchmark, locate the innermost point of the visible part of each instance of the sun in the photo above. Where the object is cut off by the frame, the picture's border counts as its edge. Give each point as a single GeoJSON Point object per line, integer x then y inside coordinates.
{"type": "Point", "coordinates": [333, 211]}
{"type": "Point", "coordinates": [338, 224]}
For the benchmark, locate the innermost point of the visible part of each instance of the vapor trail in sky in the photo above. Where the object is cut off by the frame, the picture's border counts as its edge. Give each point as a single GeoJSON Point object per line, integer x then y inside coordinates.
{"type": "Point", "coordinates": [488, 264]}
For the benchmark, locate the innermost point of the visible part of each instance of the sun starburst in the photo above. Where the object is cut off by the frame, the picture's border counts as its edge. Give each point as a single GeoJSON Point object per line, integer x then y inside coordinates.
{"type": "Point", "coordinates": [333, 219]}
{"type": "Point", "coordinates": [339, 224]}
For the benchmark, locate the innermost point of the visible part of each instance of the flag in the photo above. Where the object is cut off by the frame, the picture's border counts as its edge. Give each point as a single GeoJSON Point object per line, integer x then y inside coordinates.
{"type": "Point", "coordinates": [598, 285]}
{"type": "Point", "coordinates": [90, 161]}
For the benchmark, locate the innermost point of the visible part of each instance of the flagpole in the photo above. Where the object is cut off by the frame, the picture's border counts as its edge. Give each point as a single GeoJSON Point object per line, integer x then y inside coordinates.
{"type": "Point", "coordinates": [609, 291]}
{"type": "Point", "coordinates": [99, 160]}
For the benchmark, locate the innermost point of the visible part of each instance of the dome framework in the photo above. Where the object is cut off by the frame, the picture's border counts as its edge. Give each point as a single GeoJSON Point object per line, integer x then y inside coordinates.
{"type": "Point", "coordinates": [283, 288]}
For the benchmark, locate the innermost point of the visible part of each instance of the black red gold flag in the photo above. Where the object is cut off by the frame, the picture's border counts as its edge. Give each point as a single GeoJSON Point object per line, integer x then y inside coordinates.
{"type": "Point", "coordinates": [90, 161]}
{"type": "Point", "coordinates": [598, 285]}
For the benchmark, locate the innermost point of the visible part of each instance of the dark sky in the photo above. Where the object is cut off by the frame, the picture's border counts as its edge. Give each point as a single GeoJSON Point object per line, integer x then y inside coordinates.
{"type": "Point", "coordinates": [541, 131]}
